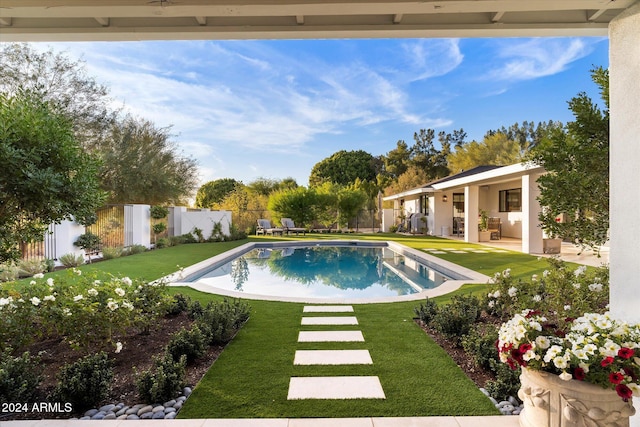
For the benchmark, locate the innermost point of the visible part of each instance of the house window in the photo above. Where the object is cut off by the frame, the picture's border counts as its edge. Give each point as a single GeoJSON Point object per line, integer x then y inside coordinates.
{"type": "Point", "coordinates": [511, 200]}
{"type": "Point", "coordinates": [424, 205]}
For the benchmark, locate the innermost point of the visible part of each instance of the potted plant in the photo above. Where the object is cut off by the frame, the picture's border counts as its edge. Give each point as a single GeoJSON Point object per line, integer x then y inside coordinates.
{"type": "Point", "coordinates": [484, 235]}
{"type": "Point", "coordinates": [580, 371]}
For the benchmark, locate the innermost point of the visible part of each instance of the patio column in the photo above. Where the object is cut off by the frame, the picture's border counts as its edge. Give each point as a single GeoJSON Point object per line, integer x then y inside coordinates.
{"type": "Point", "coordinates": [531, 231]}
{"type": "Point", "coordinates": [471, 194]}
{"type": "Point", "coordinates": [624, 91]}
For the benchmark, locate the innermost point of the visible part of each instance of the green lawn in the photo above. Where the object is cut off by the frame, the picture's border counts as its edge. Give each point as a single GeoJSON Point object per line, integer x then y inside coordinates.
{"type": "Point", "coordinates": [250, 379]}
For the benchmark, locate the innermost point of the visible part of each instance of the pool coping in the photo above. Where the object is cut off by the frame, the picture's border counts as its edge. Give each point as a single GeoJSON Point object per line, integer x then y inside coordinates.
{"type": "Point", "coordinates": [462, 274]}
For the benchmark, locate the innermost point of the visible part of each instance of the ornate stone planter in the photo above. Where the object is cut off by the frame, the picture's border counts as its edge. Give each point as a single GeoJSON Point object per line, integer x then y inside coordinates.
{"type": "Point", "coordinates": [552, 402]}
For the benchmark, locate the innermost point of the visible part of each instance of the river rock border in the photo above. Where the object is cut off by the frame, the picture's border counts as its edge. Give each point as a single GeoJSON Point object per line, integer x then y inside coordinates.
{"type": "Point", "coordinates": [120, 411]}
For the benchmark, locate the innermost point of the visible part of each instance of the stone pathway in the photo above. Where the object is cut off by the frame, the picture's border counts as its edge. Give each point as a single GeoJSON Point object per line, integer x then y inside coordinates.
{"type": "Point", "coordinates": [336, 387]}
{"type": "Point", "coordinates": [487, 250]}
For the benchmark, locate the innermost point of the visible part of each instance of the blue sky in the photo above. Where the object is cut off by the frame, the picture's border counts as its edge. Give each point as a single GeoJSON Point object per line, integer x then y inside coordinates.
{"type": "Point", "coordinates": [248, 109]}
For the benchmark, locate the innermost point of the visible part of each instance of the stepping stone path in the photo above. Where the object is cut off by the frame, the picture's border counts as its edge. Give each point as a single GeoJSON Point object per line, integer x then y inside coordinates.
{"type": "Point", "coordinates": [335, 387]}
{"type": "Point", "coordinates": [485, 250]}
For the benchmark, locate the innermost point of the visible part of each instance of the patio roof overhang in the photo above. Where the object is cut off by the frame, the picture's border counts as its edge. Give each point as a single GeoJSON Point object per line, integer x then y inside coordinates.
{"type": "Point", "coordinates": [494, 176]}
{"type": "Point", "coordinates": [89, 20]}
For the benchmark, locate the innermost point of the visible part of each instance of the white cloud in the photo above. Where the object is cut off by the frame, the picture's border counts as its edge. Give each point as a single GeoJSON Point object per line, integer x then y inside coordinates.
{"type": "Point", "coordinates": [540, 57]}
{"type": "Point", "coordinates": [429, 58]}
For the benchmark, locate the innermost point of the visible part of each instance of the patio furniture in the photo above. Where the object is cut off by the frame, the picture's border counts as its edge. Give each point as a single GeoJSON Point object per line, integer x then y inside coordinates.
{"type": "Point", "coordinates": [458, 225]}
{"type": "Point", "coordinates": [495, 228]}
{"type": "Point", "coordinates": [264, 227]}
{"type": "Point", "coordinates": [290, 227]}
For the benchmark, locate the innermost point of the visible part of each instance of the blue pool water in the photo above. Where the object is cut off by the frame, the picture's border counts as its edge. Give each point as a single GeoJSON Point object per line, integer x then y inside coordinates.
{"type": "Point", "coordinates": [322, 272]}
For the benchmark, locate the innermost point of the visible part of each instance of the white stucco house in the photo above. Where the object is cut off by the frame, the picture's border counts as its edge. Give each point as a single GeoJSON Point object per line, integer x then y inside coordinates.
{"type": "Point", "coordinates": [452, 205]}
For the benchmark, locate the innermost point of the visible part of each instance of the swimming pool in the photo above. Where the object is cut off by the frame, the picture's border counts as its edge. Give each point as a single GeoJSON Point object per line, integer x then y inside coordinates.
{"type": "Point", "coordinates": [325, 270]}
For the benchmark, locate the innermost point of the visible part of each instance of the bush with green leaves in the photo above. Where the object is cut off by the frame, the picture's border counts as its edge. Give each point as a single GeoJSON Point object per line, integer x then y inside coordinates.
{"type": "Point", "coordinates": [179, 303]}
{"type": "Point", "coordinates": [86, 382]}
{"type": "Point", "coordinates": [456, 318]}
{"type": "Point", "coordinates": [164, 380]}
{"type": "Point", "coordinates": [89, 242]}
{"type": "Point", "coordinates": [71, 260]}
{"type": "Point", "coordinates": [29, 267]}
{"type": "Point", "coordinates": [9, 271]}
{"type": "Point", "coordinates": [426, 311]}
{"type": "Point", "coordinates": [219, 321]}
{"type": "Point", "coordinates": [163, 242]}
{"type": "Point", "coordinates": [135, 249]}
{"type": "Point", "coordinates": [507, 382]}
{"type": "Point", "coordinates": [560, 289]}
{"type": "Point", "coordinates": [111, 253]}
{"type": "Point", "coordinates": [50, 265]}
{"type": "Point", "coordinates": [19, 376]}
{"type": "Point", "coordinates": [189, 343]}
{"type": "Point", "coordinates": [480, 344]}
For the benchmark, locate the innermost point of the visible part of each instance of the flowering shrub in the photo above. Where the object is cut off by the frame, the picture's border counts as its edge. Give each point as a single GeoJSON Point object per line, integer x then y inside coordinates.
{"type": "Point", "coordinates": [80, 308]}
{"type": "Point", "coordinates": [594, 348]}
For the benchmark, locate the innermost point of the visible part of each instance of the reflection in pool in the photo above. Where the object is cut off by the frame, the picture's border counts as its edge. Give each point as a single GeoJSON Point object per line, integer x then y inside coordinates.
{"type": "Point", "coordinates": [322, 272]}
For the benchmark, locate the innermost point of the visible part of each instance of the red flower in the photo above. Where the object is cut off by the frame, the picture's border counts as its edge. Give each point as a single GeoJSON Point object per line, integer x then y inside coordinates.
{"type": "Point", "coordinates": [606, 361]}
{"type": "Point", "coordinates": [579, 374]}
{"type": "Point", "coordinates": [616, 377]}
{"type": "Point", "coordinates": [625, 353]}
{"type": "Point", "coordinates": [624, 392]}
{"type": "Point", "coordinates": [630, 373]}
{"type": "Point", "coordinates": [524, 347]}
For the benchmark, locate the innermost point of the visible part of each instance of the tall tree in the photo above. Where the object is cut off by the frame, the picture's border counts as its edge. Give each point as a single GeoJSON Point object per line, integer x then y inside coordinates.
{"type": "Point", "coordinates": [297, 204]}
{"type": "Point", "coordinates": [576, 159]}
{"type": "Point", "coordinates": [344, 167]}
{"type": "Point", "coordinates": [412, 178]}
{"type": "Point", "coordinates": [64, 83]}
{"type": "Point", "coordinates": [214, 192]}
{"type": "Point", "coordinates": [425, 156]}
{"type": "Point", "coordinates": [45, 176]}
{"type": "Point", "coordinates": [496, 149]}
{"type": "Point", "coordinates": [142, 165]}
{"type": "Point", "coordinates": [397, 160]}
{"type": "Point", "coordinates": [527, 134]}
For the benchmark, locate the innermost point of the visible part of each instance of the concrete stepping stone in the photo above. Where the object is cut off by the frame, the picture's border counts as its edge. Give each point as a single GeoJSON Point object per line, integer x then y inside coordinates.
{"type": "Point", "coordinates": [332, 357]}
{"type": "Point", "coordinates": [330, 336]}
{"type": "Point", "coordinates": [458, 252]}
{"type": "Point", "coordinates": [501, 251]}
{"type": "Point", "coordinates": [480, 252]}
{"type": "Point", "coordinates": [438, 252]}
{"type": "Point", "coordinates": [360, 387]}
{"type": "Point", "coordinates": [327, 309]}
{"type": "Point", "coordinates": [340, 320]}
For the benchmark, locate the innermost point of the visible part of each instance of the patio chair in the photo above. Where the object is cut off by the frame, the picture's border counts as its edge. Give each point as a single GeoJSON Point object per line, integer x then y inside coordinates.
{"type": "Point", "coordinates": [264, 227]}
{"type": "Point", "coordinates": [290, 227]}
{"type": "Point", "coordinates": [459, 226]}
{"type": "Point", "coordinates": [495, 227]}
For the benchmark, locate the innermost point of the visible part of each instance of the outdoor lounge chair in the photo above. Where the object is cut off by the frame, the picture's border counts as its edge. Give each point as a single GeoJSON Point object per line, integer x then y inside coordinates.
{"type": "Point", "coordinates": [264, 227]}
{"type": "Point", "coordinates": [290, 227]}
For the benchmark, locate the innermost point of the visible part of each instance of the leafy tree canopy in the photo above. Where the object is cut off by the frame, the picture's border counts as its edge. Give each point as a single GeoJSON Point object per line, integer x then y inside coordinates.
{"type": "Point", "coordinates": [266, 186]}
{"type": "Point", "coordinates": [344, 167]}
{"type": "Point", "coordinates": [496, 149]}
{"type": "Point", "coordinates": [64, 83]}
{"type": "Point", "coordinates": [45, 176]}
{"type": "Point", "coordinates": [412, 178]}
{"type": "Point", "coordinates": [142, 165]}
{"type": "Point", "coordinates": [576, 158]}
{"type": "Point", "coordinates": [214, 192]}
{"type": "Point", "coordinates": [527, 134]}
{"type": "Point", "coordinates": [299, 204]}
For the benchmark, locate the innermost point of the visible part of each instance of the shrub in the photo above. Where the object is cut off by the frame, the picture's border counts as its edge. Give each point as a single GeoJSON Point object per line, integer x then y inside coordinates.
{"type": "Point", "coordinates": [507, 381]}
{"type": "Point", "coordinates": [163, 381]}
{"type": "Point", "coordinates": [135, 249]}
{"type": "Point", "coordinates": [8, 271]}
{"type": "Point", "coordinates": [163, 242]}
{"type": "Point", "coordinates": [456, 318]}
{"type": "Point", "coordinates": [393, 228]}
{"type": "Point", "coordinates": [178, 304]}
{"type": "Point", "coordinates": [195, 309]}
{"type": "Point", "coordinates": [189, 343]}
{"type": "Point", "coordinates": [71, 260]}
{"type": "Point", "coordinates": [85, 382]}
{"type": "Point", "coordinates": [89, 242]}
{"type": "Point", "coordinates": [220, 321]}
{"type": "Point", "coordinates": [19, 377]}
{"type": "Point", "coordinates": [29, 267]}
{"type": "Point", "coordinates": [480, 344]}
{"type": "Point", "coordinates": [427, 311]}
{"type": "Point", "coordinates": [236, 234]}
{"type": "Point", "coordinates": [111, 253]}
{"type": "Point", "coordinates": [158, 212]}
{"type": "Point", "coordinates": [50, 265]}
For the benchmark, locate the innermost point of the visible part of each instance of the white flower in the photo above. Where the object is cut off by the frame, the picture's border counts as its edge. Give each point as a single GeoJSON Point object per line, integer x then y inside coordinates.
{"type": "Point", "coordinates": [584, 366]}
{"type": "Point", "coordinates": [595, 287]}
{"type": "Point", "coordinates": [491, 304]}
{"type": "Point", "coordinates": [66, 311]}
{"type": "Point", "coordinates": [506, 273]}
{"type": "Point", "coordinates": [512, 291]}
{"type": "Point", "coordinates": [127, 305]}
{"type": "Point", "coordinates": [534, 278]}
{"type": "Point", "coordinates": [635, 389]}
{"type": "Point", "coordinates": [6, 301]}
{"type": "Point", "coordinates": [635, 359]}
{"type": "Point", "coordinates": [537, 298]}
{"type": "Point", "coordinates": [580, 270]}
{"type": "Point", "coordinates": [118, 347]}
{"type": "Point", "coordinates": [545, 273]}
{"type": "Point", "coordinates": [496, 294]}
{"type": "Point", "coordinates": [78, 298]}
{"type": "Point", "coordinates": [567, 307]}
{"type": "Point", "coordinates": [92, 292]}
{"type": "Point", "coordinates": [33, 282]}
{"type": "Point", "coordinates": [49, 298]}
{"type": "Point", "coordinates": [78, 272]}
{"type": "Point", "coordinates": [35, 301]}
{"type": "Point", "coordinates": [119, 291]}
{"type": "Point", "coordinates": [577, 285]}
{"type": "Point", "coordinates": [543, 342]}
{"type": "Point", "coordinates": [127, 281]}
{"type": "Point", "coordinates": [112, 305]}
{"type": "Point", "coordinates": [565, 376]}
{"type": "Point", "coordinates": [97, 282]}
{"type": "Point", "coordinates": [560, 362]}
{"type": "Point", "coordinates": [38, 276]}
{"type": "Point", "coordinates": [50, 281]}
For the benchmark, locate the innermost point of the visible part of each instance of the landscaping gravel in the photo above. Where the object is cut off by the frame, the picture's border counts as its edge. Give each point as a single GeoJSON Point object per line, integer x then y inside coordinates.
{"type": "Point", "coordinates": [511, 406]}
